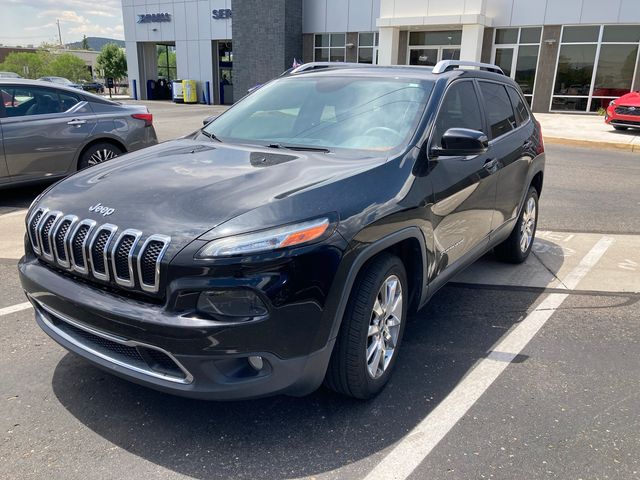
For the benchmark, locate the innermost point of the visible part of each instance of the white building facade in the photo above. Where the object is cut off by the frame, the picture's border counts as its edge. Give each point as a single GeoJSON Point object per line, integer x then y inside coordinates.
{"type": "Point", "coordinates": [567, 55]}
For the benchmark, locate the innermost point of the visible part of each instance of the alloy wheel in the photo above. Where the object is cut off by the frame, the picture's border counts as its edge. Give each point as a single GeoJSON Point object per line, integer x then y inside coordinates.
{"type": "Point", "coordinates": [101, 155]}
{"type": "Point", "coordinates": [384, 326]}
{"type": "Point", "coordinates": [528, 226]}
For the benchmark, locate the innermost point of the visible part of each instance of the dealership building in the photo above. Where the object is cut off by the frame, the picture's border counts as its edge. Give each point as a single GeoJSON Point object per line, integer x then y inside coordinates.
{"type": "Point", "coordinates": [567, 56]}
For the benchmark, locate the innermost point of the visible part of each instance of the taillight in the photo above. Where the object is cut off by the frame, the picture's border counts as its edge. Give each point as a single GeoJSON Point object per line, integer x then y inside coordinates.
{"type": "Point", "coordinates": [147, 117]}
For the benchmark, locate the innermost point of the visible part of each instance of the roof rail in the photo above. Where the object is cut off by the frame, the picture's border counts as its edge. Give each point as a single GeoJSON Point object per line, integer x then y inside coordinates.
{"type": "Point", "coordinates": [446, 65]}
{"type": "Point", "coordinates": [306, 67]}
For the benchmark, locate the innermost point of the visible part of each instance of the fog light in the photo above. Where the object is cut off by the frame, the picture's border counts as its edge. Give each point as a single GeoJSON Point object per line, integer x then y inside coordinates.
{"type": "Point", "coordinates": [256, 362]}
{"type": "Point", "coordinates": [235, 304]}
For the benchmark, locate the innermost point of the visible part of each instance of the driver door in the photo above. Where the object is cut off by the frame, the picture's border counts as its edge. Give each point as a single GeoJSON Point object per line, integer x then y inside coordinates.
{"type": "Point", "coordinates": [464, 186]}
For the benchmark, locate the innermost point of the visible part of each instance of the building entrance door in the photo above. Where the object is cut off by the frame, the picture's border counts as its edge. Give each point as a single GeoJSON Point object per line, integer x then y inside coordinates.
{"type": "Point", "coordinates": [428, 57]}
{"type": "Point", "coordinates": [225, 71]}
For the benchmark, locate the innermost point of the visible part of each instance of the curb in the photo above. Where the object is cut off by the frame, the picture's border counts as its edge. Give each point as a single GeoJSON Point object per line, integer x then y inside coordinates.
{"type": "Point", "coordinates": [576, 142]}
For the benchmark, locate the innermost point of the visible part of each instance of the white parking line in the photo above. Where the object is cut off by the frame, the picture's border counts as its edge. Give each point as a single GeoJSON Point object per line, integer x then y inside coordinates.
{"type": "Point", "coordinates": [405, 457]}
{"type": "Point", "coordinates": [14, 308]}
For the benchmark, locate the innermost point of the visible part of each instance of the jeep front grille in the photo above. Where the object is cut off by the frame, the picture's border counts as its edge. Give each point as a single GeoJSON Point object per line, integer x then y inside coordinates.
{"type": "Point", "coordinates": [84, 247]}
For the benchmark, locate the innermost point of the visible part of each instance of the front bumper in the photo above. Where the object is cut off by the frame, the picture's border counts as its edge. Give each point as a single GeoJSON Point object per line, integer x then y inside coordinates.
{"type": "Point", "coordinates": [622, 120]}
{"type": "Point", "coordinates": [149, 345]}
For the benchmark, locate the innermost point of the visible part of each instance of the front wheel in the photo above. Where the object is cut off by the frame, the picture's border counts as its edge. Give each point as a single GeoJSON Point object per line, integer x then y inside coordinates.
{"type": "Point", "coordinates": [618, 127]}
{"type": "Point", "coordinates": [517, 247]}
{"type": "Point", "coordinates": [98, 153]}
{"type": "Point", "coordinates": [371, 332]}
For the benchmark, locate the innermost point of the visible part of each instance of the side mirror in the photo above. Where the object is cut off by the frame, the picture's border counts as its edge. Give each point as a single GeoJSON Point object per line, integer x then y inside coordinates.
{"type": "Point", "coordinates": [460, 142]}
{"type": "Point", "coordinates": [209, 119]}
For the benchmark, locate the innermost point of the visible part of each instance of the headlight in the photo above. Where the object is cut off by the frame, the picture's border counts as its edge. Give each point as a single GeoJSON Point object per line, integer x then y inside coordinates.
{"type": "Point", "coordinates": [267, 240]}
{"type": "Point", "coordinates": [612, 103]}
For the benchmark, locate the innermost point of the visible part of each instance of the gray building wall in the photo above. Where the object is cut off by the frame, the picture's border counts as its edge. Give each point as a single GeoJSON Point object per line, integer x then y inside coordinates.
{"type": "Point", "coordinates": [487, 44]}
{"type": "Point", "coordinates": [265, 40]}
{"type": "Point", "coordinates": [546, 68]}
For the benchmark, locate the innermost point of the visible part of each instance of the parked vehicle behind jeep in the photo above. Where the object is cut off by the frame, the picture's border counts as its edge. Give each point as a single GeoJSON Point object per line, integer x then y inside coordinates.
{"type": "Point", "coordinates": [285, 243]}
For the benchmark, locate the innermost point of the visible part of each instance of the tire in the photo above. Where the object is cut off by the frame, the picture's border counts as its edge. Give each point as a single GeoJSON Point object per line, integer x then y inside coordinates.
{"type": "Point", "coordinates": [517, 247]}
{"type": "Point", "coordinates": [353, 370]}
{"type": "Point", "coordinates": [98, 153]}
{"type": "Point", "coordinates": [618, 127]}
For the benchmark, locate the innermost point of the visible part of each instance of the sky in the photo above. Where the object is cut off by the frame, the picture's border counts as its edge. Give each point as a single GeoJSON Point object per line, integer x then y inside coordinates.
{"type": "Point", "coordinates": [24, 22]}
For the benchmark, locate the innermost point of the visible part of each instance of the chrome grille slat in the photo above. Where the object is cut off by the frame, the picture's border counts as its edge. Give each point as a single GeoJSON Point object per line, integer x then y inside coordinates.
{"type": "Point", "coordinates": [98, 250]}
{"type": "Point", "coordinates": [60, 240]}
{"type": "Point", "coordinates": [78, 246]}
{"type": "Point", "coordinates": [149, 258]}
{"type": "Point", "coordinates": [45, 228]}
{"type": "Point", "coordinates": [122, 257]}
{"type": "Point", "coordinates": [90, 249]}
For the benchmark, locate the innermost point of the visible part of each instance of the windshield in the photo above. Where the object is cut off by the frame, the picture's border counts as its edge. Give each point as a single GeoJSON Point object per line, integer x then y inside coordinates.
{"type": "Point", "coordinates": [328, 112]}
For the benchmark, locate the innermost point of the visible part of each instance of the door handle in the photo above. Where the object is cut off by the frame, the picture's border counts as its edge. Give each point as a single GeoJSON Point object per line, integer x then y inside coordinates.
{"type": "Point", "coordinates": [490, 164]}
{"type": "Point", "coordinates": [76, 121]}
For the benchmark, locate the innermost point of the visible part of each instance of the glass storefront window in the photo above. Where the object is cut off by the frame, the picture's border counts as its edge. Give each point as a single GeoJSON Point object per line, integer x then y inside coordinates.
{"type": "Point", "coordinates": [575, 69]}
{"type": "Point", "coordinates": [506, 35]}
{"type": "Point", "coordinates": [367, 47]}
{"type": "Point", "coordinates": [526, 67]}
{"type": "Point", "coordinates": [447, 37]}
{"type": "Point", "coordinates": [516, 52]}
{"type": "Point", "coordinates": [616, 65]}
{"type": "Point", "coordinates": [597, 72]}
{"type": "Point", "coordinates": [329, 47]}
{"type": "Point", "coordinates": [581, 34]}
{"type": "Point", "coordinates": [530, 35]}
{"type": "Point", "coordinates": [621, 33]}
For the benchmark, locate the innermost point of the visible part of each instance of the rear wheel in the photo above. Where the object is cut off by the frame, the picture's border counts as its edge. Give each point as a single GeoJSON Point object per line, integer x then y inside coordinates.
{"type": "Point", "coordinates": [517, 247]}
{"type": "Point", "coordinates": [618, 127]}
{"type": "Point", "coordinates": [98, 153]}
{"type": "Point", "coordinates": [371, 332]}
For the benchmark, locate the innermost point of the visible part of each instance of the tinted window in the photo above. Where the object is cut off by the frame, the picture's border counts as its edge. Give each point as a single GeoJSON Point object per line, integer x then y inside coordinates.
{"type": "Point", "coordinates": [498, 106]}
{"type": "Point", "coordinates": [460, 109]}
{"type": "Point", "coordinates": [20, 101]}
{"type": "Point", "coordinates": [522, 113]}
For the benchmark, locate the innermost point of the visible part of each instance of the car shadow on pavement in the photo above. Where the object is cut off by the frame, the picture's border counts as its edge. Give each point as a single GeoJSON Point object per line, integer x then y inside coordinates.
{"type": "Point", "coordinates": [285, 437]}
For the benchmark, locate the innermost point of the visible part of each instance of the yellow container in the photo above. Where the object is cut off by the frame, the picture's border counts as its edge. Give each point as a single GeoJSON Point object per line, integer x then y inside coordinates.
{"type": "Point", "coordinates": [190, 91]}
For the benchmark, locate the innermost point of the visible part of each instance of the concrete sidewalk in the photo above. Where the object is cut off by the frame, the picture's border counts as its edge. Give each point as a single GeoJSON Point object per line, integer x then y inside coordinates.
{"type": "Point", "coordinates": [587, 131]}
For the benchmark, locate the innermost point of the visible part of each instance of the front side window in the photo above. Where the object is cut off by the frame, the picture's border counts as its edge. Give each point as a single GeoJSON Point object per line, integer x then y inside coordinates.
{"type": "Point", "coordinates": [327, 112]}
{"type": "Point", "coordinates": [500, 114]}
{"type": "Point", "coordinates": [460, 109]}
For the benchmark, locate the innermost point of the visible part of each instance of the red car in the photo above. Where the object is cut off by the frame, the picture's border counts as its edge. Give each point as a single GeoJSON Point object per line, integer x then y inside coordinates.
{"type": "Point", "coordinates": [624, 112]}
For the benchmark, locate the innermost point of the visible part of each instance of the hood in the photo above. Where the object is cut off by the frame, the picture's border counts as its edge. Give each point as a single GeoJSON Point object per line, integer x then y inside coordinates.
{"type": "Point", "coordinates": [629, 100]}
{"type": "Point", "coordinates": [184, 188]}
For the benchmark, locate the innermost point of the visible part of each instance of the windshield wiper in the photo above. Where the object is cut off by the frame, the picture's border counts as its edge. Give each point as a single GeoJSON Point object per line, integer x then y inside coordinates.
{"type": "Point", "coordinates": [299, 148]}
{"type": "Point", "coordinates": [210, 135]}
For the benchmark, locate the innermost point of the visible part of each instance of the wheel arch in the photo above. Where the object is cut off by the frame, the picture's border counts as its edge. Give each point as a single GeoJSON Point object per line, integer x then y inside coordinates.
{"type": "Point", "coordinates": [407, 244]}
{"type": "Point", "coordinates": [114, 141]}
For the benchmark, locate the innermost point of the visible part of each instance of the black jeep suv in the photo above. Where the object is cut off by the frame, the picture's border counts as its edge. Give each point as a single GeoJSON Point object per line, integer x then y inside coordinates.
{"type": "Point", "coordinates": [285, 243]}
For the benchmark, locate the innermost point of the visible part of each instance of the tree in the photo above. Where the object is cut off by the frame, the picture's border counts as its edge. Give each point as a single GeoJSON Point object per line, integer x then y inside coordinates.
{"type": "Point", "coordinates": [27, 64]}
{"type": "Point", "coordinates": [85, 43]}
{"type": "Point", "coordinates": [68, 66]}
{"type": "Point", "coordinates": [112, 62]}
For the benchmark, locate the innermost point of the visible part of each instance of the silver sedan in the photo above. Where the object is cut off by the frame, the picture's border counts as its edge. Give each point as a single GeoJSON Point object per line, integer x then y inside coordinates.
{"type": "Point", "coordinates": [49, 131]}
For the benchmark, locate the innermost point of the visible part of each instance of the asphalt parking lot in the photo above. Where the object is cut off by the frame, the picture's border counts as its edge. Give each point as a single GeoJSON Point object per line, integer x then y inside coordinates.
{"type": "Point", "coordinates": [510, 372]}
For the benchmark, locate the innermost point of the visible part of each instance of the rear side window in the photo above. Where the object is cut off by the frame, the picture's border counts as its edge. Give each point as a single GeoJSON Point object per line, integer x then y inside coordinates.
{"type": "Point", "coordinates": [500, 113]}
{"type": "Point", "coordinates": [460, 109]}
{"type": "Point", "coordinates": [519, 107]}
{"type": "Point", "coordinates": [21, 101]}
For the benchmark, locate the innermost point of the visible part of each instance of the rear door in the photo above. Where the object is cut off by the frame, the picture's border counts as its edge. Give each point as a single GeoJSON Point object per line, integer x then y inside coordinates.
{"type": "Point", "coordinates": [510, 130]}
{"type": "Point", "coordinates": [464, 186]}
{"type": "Point", "coordinates": [43, 129]}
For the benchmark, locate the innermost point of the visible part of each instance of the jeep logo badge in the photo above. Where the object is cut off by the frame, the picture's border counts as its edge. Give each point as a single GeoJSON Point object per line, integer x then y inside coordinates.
{"type": "Point", "coordinates": [101, 209]}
